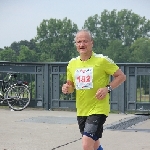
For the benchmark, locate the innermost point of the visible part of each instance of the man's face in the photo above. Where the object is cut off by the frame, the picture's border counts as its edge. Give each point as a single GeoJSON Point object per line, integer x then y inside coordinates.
{"type": "Point", "coordinates": [83, 42]}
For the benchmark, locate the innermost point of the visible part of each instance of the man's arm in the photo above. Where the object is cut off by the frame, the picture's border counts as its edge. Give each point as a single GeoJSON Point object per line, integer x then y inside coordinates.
{"type": "Point", "coordinates": [119, 77]}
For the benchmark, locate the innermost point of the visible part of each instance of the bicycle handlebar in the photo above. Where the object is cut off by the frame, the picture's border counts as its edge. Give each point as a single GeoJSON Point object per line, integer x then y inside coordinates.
{"type": "Point", "coordinates": [14, 74]}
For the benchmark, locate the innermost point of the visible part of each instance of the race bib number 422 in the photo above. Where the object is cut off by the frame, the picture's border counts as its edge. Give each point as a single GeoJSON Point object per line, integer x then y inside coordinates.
{"type": "Point", "coordinates": [84, 78]}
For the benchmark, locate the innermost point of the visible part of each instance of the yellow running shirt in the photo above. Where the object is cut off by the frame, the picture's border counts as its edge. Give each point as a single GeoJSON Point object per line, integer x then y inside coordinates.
{"type": "Point", "coordinates": [88, 76]}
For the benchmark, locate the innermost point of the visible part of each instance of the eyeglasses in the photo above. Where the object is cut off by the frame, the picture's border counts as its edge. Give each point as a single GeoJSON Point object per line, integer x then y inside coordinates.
{"type": "Point", "coordinates": [81, 42]}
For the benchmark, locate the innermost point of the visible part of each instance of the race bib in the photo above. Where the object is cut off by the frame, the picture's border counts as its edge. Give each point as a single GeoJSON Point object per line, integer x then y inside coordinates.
{"type": "Point", "coordinates": [84, 78]}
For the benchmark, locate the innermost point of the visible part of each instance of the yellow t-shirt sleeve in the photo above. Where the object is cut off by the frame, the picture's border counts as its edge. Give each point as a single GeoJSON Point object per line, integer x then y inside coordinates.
{"type": "Point", "coordinates": [110, 67]}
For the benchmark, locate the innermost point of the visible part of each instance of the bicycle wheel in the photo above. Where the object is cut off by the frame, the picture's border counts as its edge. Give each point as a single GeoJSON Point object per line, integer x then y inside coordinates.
{"type": "Point", "coordinates": [18, 97]}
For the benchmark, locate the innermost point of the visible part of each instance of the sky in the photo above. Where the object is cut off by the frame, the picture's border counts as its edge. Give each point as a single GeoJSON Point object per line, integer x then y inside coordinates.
{"type": "Point", "coordinates": [19, 19]}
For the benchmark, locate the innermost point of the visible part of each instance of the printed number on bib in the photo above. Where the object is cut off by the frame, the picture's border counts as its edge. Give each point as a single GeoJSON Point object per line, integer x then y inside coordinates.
{"type": "Point", "coordinates": [84, 78]}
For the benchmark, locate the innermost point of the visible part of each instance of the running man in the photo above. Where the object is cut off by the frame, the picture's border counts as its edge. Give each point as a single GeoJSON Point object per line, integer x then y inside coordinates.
{"type": "Point", "coordinates": [90, 74]}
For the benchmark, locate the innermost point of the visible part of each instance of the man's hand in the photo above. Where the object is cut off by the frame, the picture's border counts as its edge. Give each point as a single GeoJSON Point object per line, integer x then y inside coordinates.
{"type": "Point", "coordinates": [68, 88]}
{"type": "Point", "coordinates": [101, 93]}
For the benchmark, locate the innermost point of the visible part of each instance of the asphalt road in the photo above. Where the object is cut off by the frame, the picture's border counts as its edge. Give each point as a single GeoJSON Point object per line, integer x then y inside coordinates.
{"type": "Point", "coordinates": [34, 129]}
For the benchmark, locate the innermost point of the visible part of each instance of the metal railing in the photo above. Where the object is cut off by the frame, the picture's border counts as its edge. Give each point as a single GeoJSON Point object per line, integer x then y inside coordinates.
{"type": "Point", "coordinates": [45, 81]}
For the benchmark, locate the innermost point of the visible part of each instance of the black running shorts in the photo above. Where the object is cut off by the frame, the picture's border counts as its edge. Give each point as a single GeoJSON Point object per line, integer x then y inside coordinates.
{"type": "Point", "coordinates": [92, 124]}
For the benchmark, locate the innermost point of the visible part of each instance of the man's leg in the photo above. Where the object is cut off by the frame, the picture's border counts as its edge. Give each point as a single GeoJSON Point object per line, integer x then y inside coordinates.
{"type": "Point", "coordinates": [88, 143]}
{"type": "Point", "coordinates": [99, 146]}
{"type": "Point", "coordinates": [91, 128]}
{"type": "Point", "coordinates": [92, 132]}
{"type": "Point", "coordinates": [96, 145]}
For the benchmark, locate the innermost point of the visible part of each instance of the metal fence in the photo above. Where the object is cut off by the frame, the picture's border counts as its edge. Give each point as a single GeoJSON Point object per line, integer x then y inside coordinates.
{"type": "Point", "coordinates": [45, 81]}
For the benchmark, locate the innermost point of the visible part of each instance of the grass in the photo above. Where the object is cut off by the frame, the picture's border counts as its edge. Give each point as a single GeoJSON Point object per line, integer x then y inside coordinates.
{"type": "Point", "coordinates": [141, 97]}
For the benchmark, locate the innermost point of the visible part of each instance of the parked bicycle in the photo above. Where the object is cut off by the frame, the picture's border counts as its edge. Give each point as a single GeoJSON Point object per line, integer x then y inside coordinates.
{"type": "Point", "coordinates": [15, 94]}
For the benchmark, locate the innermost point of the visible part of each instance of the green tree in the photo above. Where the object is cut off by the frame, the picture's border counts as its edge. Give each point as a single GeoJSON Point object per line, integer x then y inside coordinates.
{"type": "Point", "coordinates": [1, 49]}
{"type": "Point", "coordinates": [55, 39]}
{"type": "Point", "coordinates": [118, 52]}
{"type": "Point", "coordinates": [140, 51]}
{"type": "Point", "coordinates": [8, 54]}
{"type": "Point", "coordinates": [123, 25]}
{"type": "Point", "coordinates": [45, 58]}
{"type": "Point", "coordinates": [27, 55]}
{"type": "Point", "coordinates": [30, 44]}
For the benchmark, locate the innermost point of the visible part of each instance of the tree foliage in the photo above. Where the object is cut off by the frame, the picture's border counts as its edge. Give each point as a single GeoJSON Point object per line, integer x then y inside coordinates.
{"type": "Point", "coordinates": [121, 35]}
{"type": "Point", "coordinates": [140, 51]}
{"type": "Point", "coordinates": [26, 55]}
{"type": "Point", "coordinates": [117, 51]}
{"type": "Point", "coordinates": [8, 55]}
{"type": "Point", "coordinates": [123, 25]}
{"type": "Point", "coordinates": [55, 38]}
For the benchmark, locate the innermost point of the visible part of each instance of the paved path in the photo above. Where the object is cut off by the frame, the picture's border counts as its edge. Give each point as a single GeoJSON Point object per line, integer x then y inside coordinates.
{"type": "Point", "coordinates": [58, 130]}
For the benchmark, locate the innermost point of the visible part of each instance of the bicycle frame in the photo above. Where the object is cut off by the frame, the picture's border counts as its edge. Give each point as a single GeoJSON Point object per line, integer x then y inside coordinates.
{"type": "Point", "coordinates": [6, 85]}
{"type": "Point", "coordinates": [16, 94]}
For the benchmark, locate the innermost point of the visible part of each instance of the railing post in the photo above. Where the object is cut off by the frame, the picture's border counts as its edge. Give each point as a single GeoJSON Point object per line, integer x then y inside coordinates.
{"type": "Point", "coordinates": [46, 87]}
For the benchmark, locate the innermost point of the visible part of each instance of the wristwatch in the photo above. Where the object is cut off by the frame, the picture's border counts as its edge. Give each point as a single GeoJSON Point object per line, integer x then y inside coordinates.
{"type": "Point", "coordinates": [109, 88]}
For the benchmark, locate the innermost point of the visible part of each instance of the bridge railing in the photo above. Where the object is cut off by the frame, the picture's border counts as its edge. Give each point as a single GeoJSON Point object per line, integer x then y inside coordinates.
{"type": "Point", "coordinates": [45, 81]}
